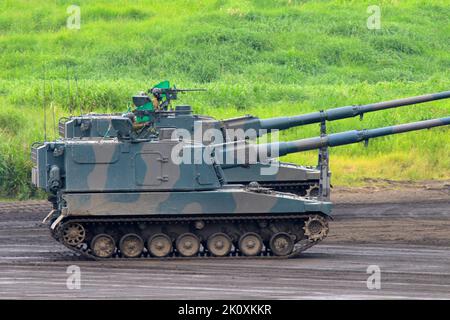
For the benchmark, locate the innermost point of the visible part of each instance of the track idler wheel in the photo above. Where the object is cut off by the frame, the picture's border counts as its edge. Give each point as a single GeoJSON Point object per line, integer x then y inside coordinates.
{"type": "Point", "coordinates": [250, 244]}
{"type": "Point", "coordinates": [281, 244]}
{"type": "Point", "coordinates": [188, 244]}
{"type": "Point", "coordinates": [159, 245]}
{"type": "Point", "coordinates": [73, 234]}
{"type": "Point", "coordinates": [316, 228]}
{"type": "Point", "coordinates": [219, 244]}
{"type": "Point", "coordinates": [103, 245]}
{"type": "Point", "coordinates": [131, 245]}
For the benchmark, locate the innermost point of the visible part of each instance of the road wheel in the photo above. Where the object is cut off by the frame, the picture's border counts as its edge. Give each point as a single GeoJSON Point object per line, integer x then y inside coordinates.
{"type": "Point", "coordinates": [159, 245]}
{"type": "Point", "coordinates": [250, 244]}
{"type": "Point", "coordinates": [188, 244]}
{"type": "Point", "coordinates": [219, 244]}
{"type": "Point", "coordinates": [73, 234]}
{"type": "Point", "coordinates": [103, 245]}
{"type": "Point", "coordinates": [131, 245]}
{"type": "Point", "coordinates": [281, 244]}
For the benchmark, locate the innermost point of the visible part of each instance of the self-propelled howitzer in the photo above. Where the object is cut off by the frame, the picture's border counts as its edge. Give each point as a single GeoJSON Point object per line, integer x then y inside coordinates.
{"type": "Point", "coordinates": [138, 198]}
{"type": "Point", "coordinates": [289, 177]}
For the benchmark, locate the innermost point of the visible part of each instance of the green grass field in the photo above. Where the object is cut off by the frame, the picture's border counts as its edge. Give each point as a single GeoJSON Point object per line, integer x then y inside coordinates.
{"type": "Point", "coordinates": [267, 58]}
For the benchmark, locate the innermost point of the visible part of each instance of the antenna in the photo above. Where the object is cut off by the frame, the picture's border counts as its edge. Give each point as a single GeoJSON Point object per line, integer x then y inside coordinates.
{"type": "Point", "coordinates": [77, 102]}
{"type": "Point", "coordinates": [68, 89]}
{"type": "Point", "coordinates": [52, 106]}
{"type": "Point", "coordinates": [43, 107]}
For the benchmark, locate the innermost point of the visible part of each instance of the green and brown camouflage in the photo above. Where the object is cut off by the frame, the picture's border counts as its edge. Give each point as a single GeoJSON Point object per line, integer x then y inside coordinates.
{"type": "Point", "coordinates": [129, 164]}
{"type": "Point", "coordinates": [123, 193]}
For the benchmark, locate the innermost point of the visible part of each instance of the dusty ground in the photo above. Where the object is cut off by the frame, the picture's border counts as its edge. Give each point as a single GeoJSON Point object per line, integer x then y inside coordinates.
{"type": "Point", "coordinates": [405, 230]}
{"type": "Point", "coordinates": [388, 191]}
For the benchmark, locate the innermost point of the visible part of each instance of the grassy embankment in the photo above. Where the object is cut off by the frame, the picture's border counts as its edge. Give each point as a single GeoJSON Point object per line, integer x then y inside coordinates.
{"type": "Point", "coordinates": [267, 58]}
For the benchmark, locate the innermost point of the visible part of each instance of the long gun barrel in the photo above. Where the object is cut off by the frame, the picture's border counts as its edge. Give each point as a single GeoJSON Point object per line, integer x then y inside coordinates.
{"type": "Point", "coordinates": [280, 123]}
{"type": "Point", "coordinates": [261, 152]}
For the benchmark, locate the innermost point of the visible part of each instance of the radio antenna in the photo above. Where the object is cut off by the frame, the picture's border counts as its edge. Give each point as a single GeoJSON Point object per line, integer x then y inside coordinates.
{"type": "Point", "coordinates": [77, 101]}
{"type": "Point", "coordinates": [43, 108]}
{"type": "Point", "coordinates": [68, 90]}
{"type": "Point", "coordinates": [52, 106]}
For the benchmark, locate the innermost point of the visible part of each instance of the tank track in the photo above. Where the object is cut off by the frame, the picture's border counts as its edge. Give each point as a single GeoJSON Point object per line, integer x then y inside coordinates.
{"type": "Point", "coordinates": [294, 224]}
{"type": "Point", "coordinates": [298, 188]}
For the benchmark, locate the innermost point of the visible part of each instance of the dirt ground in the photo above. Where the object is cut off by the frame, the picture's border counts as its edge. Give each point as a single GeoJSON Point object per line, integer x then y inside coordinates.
{"type": "Point", "coordinates": [404, 229]}
{"type": "Point", "coordinates": [388, 191]}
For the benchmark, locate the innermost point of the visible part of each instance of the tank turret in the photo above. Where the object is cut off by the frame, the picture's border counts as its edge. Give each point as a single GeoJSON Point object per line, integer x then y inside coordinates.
{"type": "Point", "coordinates": [154, 116]}
{"type": "Point", "coordinates": [134, 164]}
{"type": "Point", "coordinates": [182, 117]}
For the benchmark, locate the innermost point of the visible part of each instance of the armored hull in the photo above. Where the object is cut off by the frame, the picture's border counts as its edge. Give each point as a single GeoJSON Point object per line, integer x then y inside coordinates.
{"type": "Point", "coordinates": [128, 199]}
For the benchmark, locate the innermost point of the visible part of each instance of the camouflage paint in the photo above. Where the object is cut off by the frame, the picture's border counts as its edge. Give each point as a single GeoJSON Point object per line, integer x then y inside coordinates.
{"type": "Point", "coordinates": [99, 126]}
{"type": "Point", "coordinates": [223, 201]}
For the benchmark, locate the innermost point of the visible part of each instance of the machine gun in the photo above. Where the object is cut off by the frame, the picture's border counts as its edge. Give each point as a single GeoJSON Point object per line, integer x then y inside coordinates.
{"type": "Point", "coordinates": [165, 95]}
{"type": "Point", "coordinates": [161, 97]}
